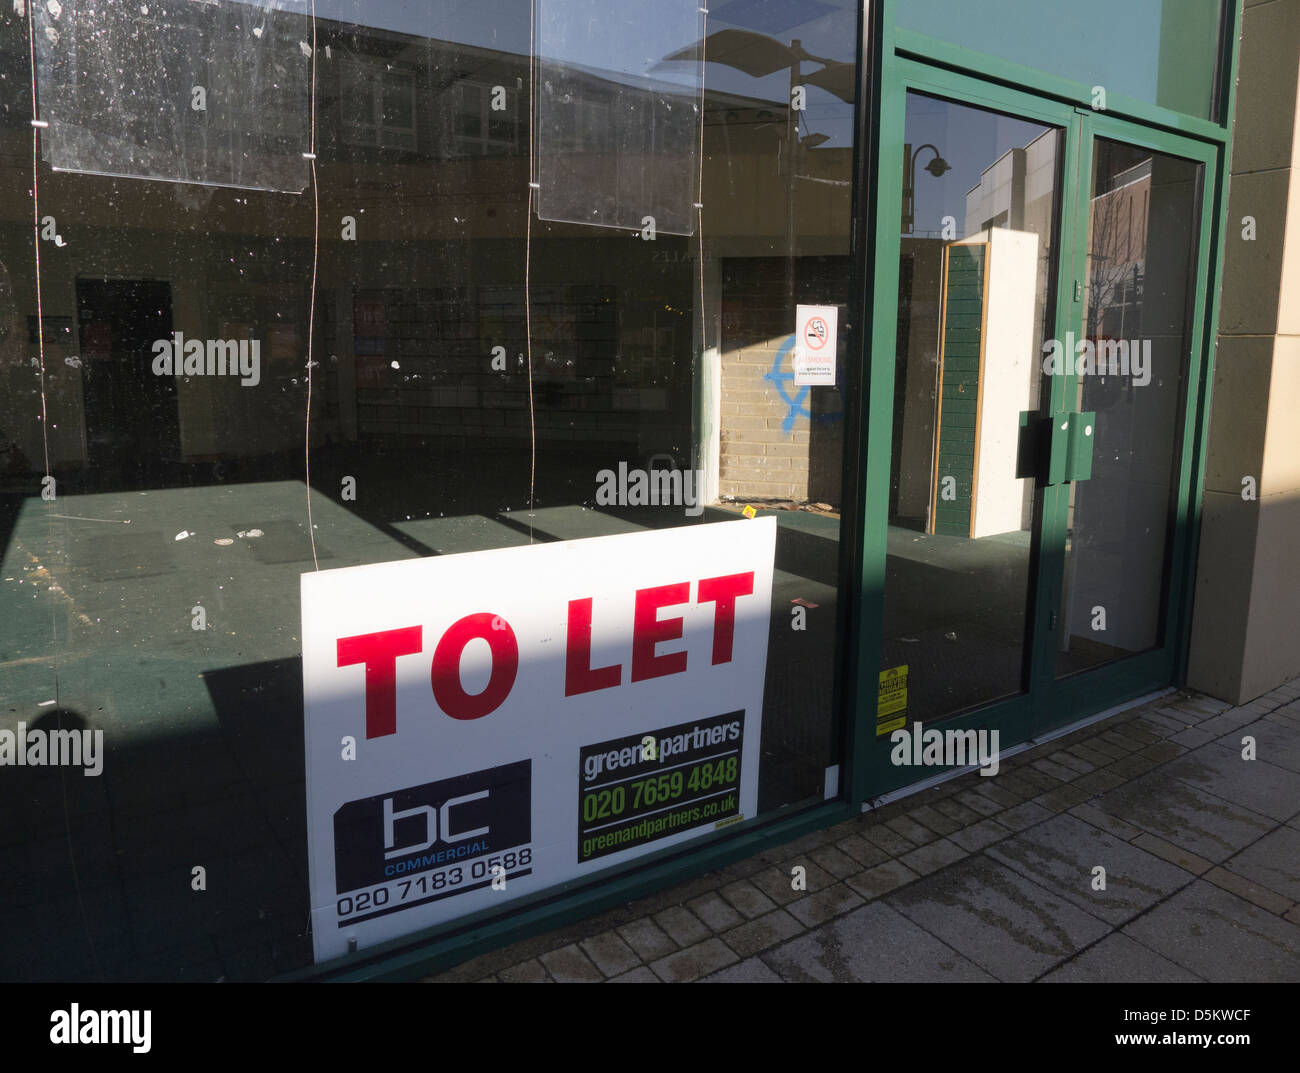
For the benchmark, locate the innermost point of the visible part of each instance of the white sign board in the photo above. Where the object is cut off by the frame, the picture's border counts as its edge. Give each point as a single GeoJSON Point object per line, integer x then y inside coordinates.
{"type": "Point", "coordinates": [814, 345]}
{"type": "Point", "coordinates": [484, 726]}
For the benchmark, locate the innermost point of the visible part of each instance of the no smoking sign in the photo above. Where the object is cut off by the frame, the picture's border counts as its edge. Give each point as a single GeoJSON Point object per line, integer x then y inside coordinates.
{"type": "Point", "coordinates": [815, 344]}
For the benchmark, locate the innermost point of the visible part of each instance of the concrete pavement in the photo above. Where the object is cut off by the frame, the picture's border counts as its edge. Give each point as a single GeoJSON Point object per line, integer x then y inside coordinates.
{"type": "Point", "coordinates": [995, 878]}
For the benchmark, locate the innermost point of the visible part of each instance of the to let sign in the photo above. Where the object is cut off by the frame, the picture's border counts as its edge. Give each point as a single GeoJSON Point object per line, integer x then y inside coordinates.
{"type": "Point", "coordinates": [484, 726]}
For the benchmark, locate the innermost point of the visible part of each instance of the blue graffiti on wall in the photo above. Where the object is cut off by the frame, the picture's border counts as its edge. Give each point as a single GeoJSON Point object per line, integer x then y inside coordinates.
{"type": "Point", "coordinates": [797, 404]}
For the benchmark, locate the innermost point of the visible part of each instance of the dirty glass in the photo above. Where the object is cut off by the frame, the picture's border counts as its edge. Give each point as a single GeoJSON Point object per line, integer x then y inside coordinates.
{"type": "Point", "coordinates": [618, 112]}
{"type": "Point", "coordinates": [197, 92]}
{"type": "Point", "coordinates": [394, 365]}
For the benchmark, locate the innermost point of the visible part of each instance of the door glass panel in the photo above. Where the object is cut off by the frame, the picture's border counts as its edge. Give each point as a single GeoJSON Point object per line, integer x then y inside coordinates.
{"type": "Point", "coordinates": [1131, 370]}
{"type": "Point", "coordinates": [977, 273]}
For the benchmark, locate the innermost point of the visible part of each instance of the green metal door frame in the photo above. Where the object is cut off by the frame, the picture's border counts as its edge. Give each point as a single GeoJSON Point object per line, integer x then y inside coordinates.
{"type": "Point", "coordinates": [922, 65]}
{"type": "Point", "coordinates": [1011, 716]}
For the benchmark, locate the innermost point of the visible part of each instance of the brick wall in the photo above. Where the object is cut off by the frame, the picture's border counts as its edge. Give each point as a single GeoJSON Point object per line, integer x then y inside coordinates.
{"type": "Point", "coordinates": [771, 450]}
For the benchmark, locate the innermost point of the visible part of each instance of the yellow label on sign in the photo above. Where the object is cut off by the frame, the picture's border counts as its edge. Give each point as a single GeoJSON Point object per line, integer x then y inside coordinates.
{"type": "Point", "coordinates": [891, 699]}
{"type": "Point", "coordinates": [749, 512]}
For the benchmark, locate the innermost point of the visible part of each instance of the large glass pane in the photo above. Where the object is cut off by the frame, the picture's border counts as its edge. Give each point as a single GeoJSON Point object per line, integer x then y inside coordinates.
{"type": "Point", "coordinates": [1163, 52]}
{"type": "Point", "coordinates": [620, 149]}
{"type": "Point", "coordinates": [368, 340]}
{"type": "Point", "coordinates": [1132, 372]}
{"type": "Point", "coordinates": [976, 278]}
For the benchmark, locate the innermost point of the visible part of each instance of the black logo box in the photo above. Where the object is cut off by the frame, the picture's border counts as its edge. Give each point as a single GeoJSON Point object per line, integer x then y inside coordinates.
{"type": "Point", "coordinates": [506, 812]}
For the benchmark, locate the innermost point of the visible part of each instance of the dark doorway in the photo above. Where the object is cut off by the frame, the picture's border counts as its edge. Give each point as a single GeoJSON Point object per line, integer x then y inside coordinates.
{"type": "Point", "coordinates": [132, 426]}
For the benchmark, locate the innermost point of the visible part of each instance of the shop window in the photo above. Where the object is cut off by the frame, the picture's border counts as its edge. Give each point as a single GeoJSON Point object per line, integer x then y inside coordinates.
{"type": "Point", "coordinates": [233, 388]}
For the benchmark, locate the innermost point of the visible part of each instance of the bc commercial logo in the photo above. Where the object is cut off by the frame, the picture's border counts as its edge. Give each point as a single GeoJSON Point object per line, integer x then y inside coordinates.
{"type": "Point", "coordinates": [421, 828]}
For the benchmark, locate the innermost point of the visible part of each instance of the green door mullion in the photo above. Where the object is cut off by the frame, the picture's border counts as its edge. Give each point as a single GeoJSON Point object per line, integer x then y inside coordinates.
{"type": "Point", "coordinates": [866, 774]}
{"type": "Point", "coordinates": [1214, 230]}
{"type": "Point", "coordinates": [1184, 518]}
{"type": "Point", "coordinates": [1063, 390]}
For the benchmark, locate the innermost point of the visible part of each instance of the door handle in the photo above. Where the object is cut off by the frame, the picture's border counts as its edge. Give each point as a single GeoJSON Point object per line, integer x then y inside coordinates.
{"type": "Point", "coordinates": [1071, 451]}
{"type": "Point", "coordinates": [1065, 440]}
{"type": "Point", "coordinates": [1078, 460]}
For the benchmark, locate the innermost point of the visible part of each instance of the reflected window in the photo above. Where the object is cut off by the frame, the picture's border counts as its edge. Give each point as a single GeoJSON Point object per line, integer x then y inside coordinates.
{"type": "Point", "coordinates": [484, 127]}
{"type": "Point", "coordinates": [378, 104]}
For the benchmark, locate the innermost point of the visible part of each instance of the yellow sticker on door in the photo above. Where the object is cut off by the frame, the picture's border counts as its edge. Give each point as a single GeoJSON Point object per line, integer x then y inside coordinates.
{"type": "Point", "coordinates": [891, 703]}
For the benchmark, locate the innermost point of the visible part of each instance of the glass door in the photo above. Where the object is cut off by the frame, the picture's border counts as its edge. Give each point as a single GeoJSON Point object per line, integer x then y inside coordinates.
{"type": "Point", "coordinates": [1045, 353]}
{"type": "Point", "coordinates": [1130, 371]}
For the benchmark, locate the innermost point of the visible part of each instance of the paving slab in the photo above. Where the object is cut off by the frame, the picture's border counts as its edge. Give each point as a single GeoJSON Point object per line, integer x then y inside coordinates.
{"type": "Point", "coordinates": [569, 965]}
{"type": "Point", "coordinates": [694, 962]}
{"type": "Point", "coordinates": [750, 971]}
{"type": "Point", "coordinates": [1023, 816]}
{"type": "Point", "coordinates": [825, 905]}
{"type": "Point", "coordinates": [865, 853]}
{"type": "Point", "coordinates": [1007, 924]}
{"type": "Point", "coordinates": [978, 835]}
{"type": "Point", "coordinates": [717, 914]}
{"type": "Point", "coordinates": [777, 885]}
{"type": "Point", "coordinates": [682, 925]}
{"type": "Point", "coordinates": [526, 972]}
{"type": "Point", "coordinates": [1274, 743]}
{"type": "Point", "coordinates": [1242, 887]}
{"type": "Point", "coordinates": [1118, 959]}
{"type": "Point", "coordinates": [835, 861]}
{"type": "Point", "coordinates": [747, 899]}
{"type": "Point", "coordinates": [1221, 937]}
{"type": "Point", "coordinates": [936, 855]}
{"type": "Point", "coordinates": [1186, 815]}
{"type": "Point", "coordinates": [1272, 862]}
{"type": "Point", "coordinates": [647, 939]}
{"type": "Point", "coordinates": [611, 955]}
{"type": "Point", "coordinates": [1062, 853]}
{"type": "Point", "coordinates": [939, 818]}
{"type": "Point", "coordinates": [764, 932]}
{"type": "Point", "coordinates": [1255, 784]}
{"type": "Point", "coordinates": [637, 976]}
{"type": "Point", "coordinates": [1193, 737]}
{"type": "Point", "coordinates": [1091, 814]}
{"type": "Point", "coordinates": [875, 882]}
{"type": "Point", "coordinates": [872, 944]}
